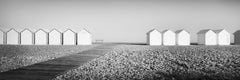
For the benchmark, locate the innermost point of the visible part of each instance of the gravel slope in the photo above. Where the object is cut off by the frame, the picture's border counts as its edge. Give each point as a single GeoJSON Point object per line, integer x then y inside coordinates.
{"type": "Point", "coordinates": [169, 62]}
{"type": "Point", "coordinates": [15, 56]}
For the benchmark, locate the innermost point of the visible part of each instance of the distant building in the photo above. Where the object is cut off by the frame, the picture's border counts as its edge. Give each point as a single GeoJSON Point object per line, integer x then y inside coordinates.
{"type": "Point", "coordinates": [207, 37]}
{"type": "Point", "coordinates": [55, 37]}
{"type": "Point", "coordinates": [154, 37]}
{"type": "Point", "coordinates": [26, 37]}
{"type": "Point", "coordinates": [182, 37]}
{"type": "Point", "coordinates": [69, 37]}
{"type": "Point", "coordinates": [169, 37]}
{"type": "Point", "coordinates": [84, 37]}
{"type": "Point", "coordinates": [41, 37]}
{"type": "Point", "coordinates": [223, 37]}
{"type": "Point", "coordinates": [12, 37]}
{"type": "Point", "coordinates": [237, 37]}
{"type": "Point", "coordinates": [2, 35]}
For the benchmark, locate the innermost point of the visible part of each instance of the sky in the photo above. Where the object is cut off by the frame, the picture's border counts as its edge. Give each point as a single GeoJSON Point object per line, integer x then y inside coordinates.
{"type": "Point", "coordinates": [121, 20]}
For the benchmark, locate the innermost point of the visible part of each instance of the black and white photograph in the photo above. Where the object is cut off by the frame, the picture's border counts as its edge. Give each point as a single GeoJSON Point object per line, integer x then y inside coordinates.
{"type": "Point", "coordinates": [119, 39]}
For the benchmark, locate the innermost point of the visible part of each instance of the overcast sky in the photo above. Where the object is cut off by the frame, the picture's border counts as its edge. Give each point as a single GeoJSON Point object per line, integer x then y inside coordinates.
{"type": "Point", "coordinates": [121, 20]}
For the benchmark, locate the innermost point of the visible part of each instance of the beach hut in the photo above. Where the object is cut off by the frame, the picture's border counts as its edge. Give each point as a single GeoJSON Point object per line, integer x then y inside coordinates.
{"type": "Point", "coordinates": [223, 37]}
{"type": "Point", "coordinates": [154, 37]}
{"type": "Point", "coordinates": [12, 37]}
{"type": "Point", "coordinates": [182, 37]}
{"type": "Point", "coordinates": [41, 37]}
{"type": "Point", "coordinates": [26, 37]}
{"type": "Point", "coordinates": [55, 37]}
{"type": "Point", "coordinates": [84, 37]}
{"type": "Point", "coordinates": [169, 37]}
{"type": "Point", "coordinates": [207, 37]}
{"type": "Point", "coordinates": [237, 37]}
{"type": "Point", "coordinates": [69, 37]}
{"type": "Point", "coordinates": [2, 35]}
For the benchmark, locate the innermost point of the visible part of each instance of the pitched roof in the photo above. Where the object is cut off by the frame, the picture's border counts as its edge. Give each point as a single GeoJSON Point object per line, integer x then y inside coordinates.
{"type": "Point", "coordinates": [166, 30]}
{"type": "Point", "coordinates": [178, 31]}
{"type": "Point", "coordinates": [41, 30]}
{"type": "Point", "coordinates": [69, 30]}
{"type": "Point", "coordinates": [218, 31]}
{"type": "Point", "coordinates": [152, 31]}
{"type": "Point", "coordinates": [237, 32]}
{"type": "Point", "coordinates": [13, 30]}
{"type": "Point", "coordinates": [55, 30]}
{"type": "Point", "coordinates": [203, 31]}
{"type": "Point", "coordinates": [85, 30]}
{"type": "Point", "coordinates": [27, 30]}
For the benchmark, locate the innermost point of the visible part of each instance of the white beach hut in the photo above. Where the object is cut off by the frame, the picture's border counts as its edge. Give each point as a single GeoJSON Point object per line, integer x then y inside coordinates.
{"type": "Point", "coordinates": [169, 37]}
{"type": "Point", "coordinates": [223, 37]}
{"type": "Point", "coordinates": [26, 37]}
{"type": "Point", "coordinates": [237, 37]}
{"type": "Point", "coordinates": [41, 37]}
{"type": "Point", "coordinates": [182, 37]}
{"type": "Point", "coordinates": [154, 37]}
{"type": "Point", "coordinates": [69, 37]}
{"type": "Point", "coordinates": [55, 37]}
{"type": "Point", "coordinates": [207, 37]}
{"type": "Point", "coordinates": [84, 37]}
{"type": "Point", "coordinates": [12, 37]}
{"type": "Point", "coordinates": [2, 35]}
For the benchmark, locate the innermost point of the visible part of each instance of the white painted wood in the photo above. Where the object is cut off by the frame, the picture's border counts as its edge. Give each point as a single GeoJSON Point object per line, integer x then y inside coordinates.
{"type": "Point", "coordinates": [154, 37]}
{"type": "Point", "coordinates": [26, 37]}
{"type": "Point", "coordinates": [55, 37]}
{"type": "Point", "coordinates": [223, 37]}
{"type": "Point", "coordinates": [2, 37]}
{"type": "Point", "coordinates": [207, 37]}
{"type": "Point", "coordinates": [211, 38]}
{"type": "Point", "coordinates": [182, 37]}
{"type": "Point", "coordinates": [41, 37]}
{"type": "Point", "coordinates": [12, 37]}
{"type": "Point", "coordinates": [84, 37]}
{"type": "Point", "coordinates": [169, 37]}
{"type": "Point", "coordinates": [69, 37]}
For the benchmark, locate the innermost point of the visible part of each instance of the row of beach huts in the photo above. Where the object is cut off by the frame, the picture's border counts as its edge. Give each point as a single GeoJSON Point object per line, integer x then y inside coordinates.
{"type": "Point", "coordinates": [84, 37]}
{"type": "Point", "coordinates": [182, 37]}
{"type": "Point", "coordinates": [41, 37]}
